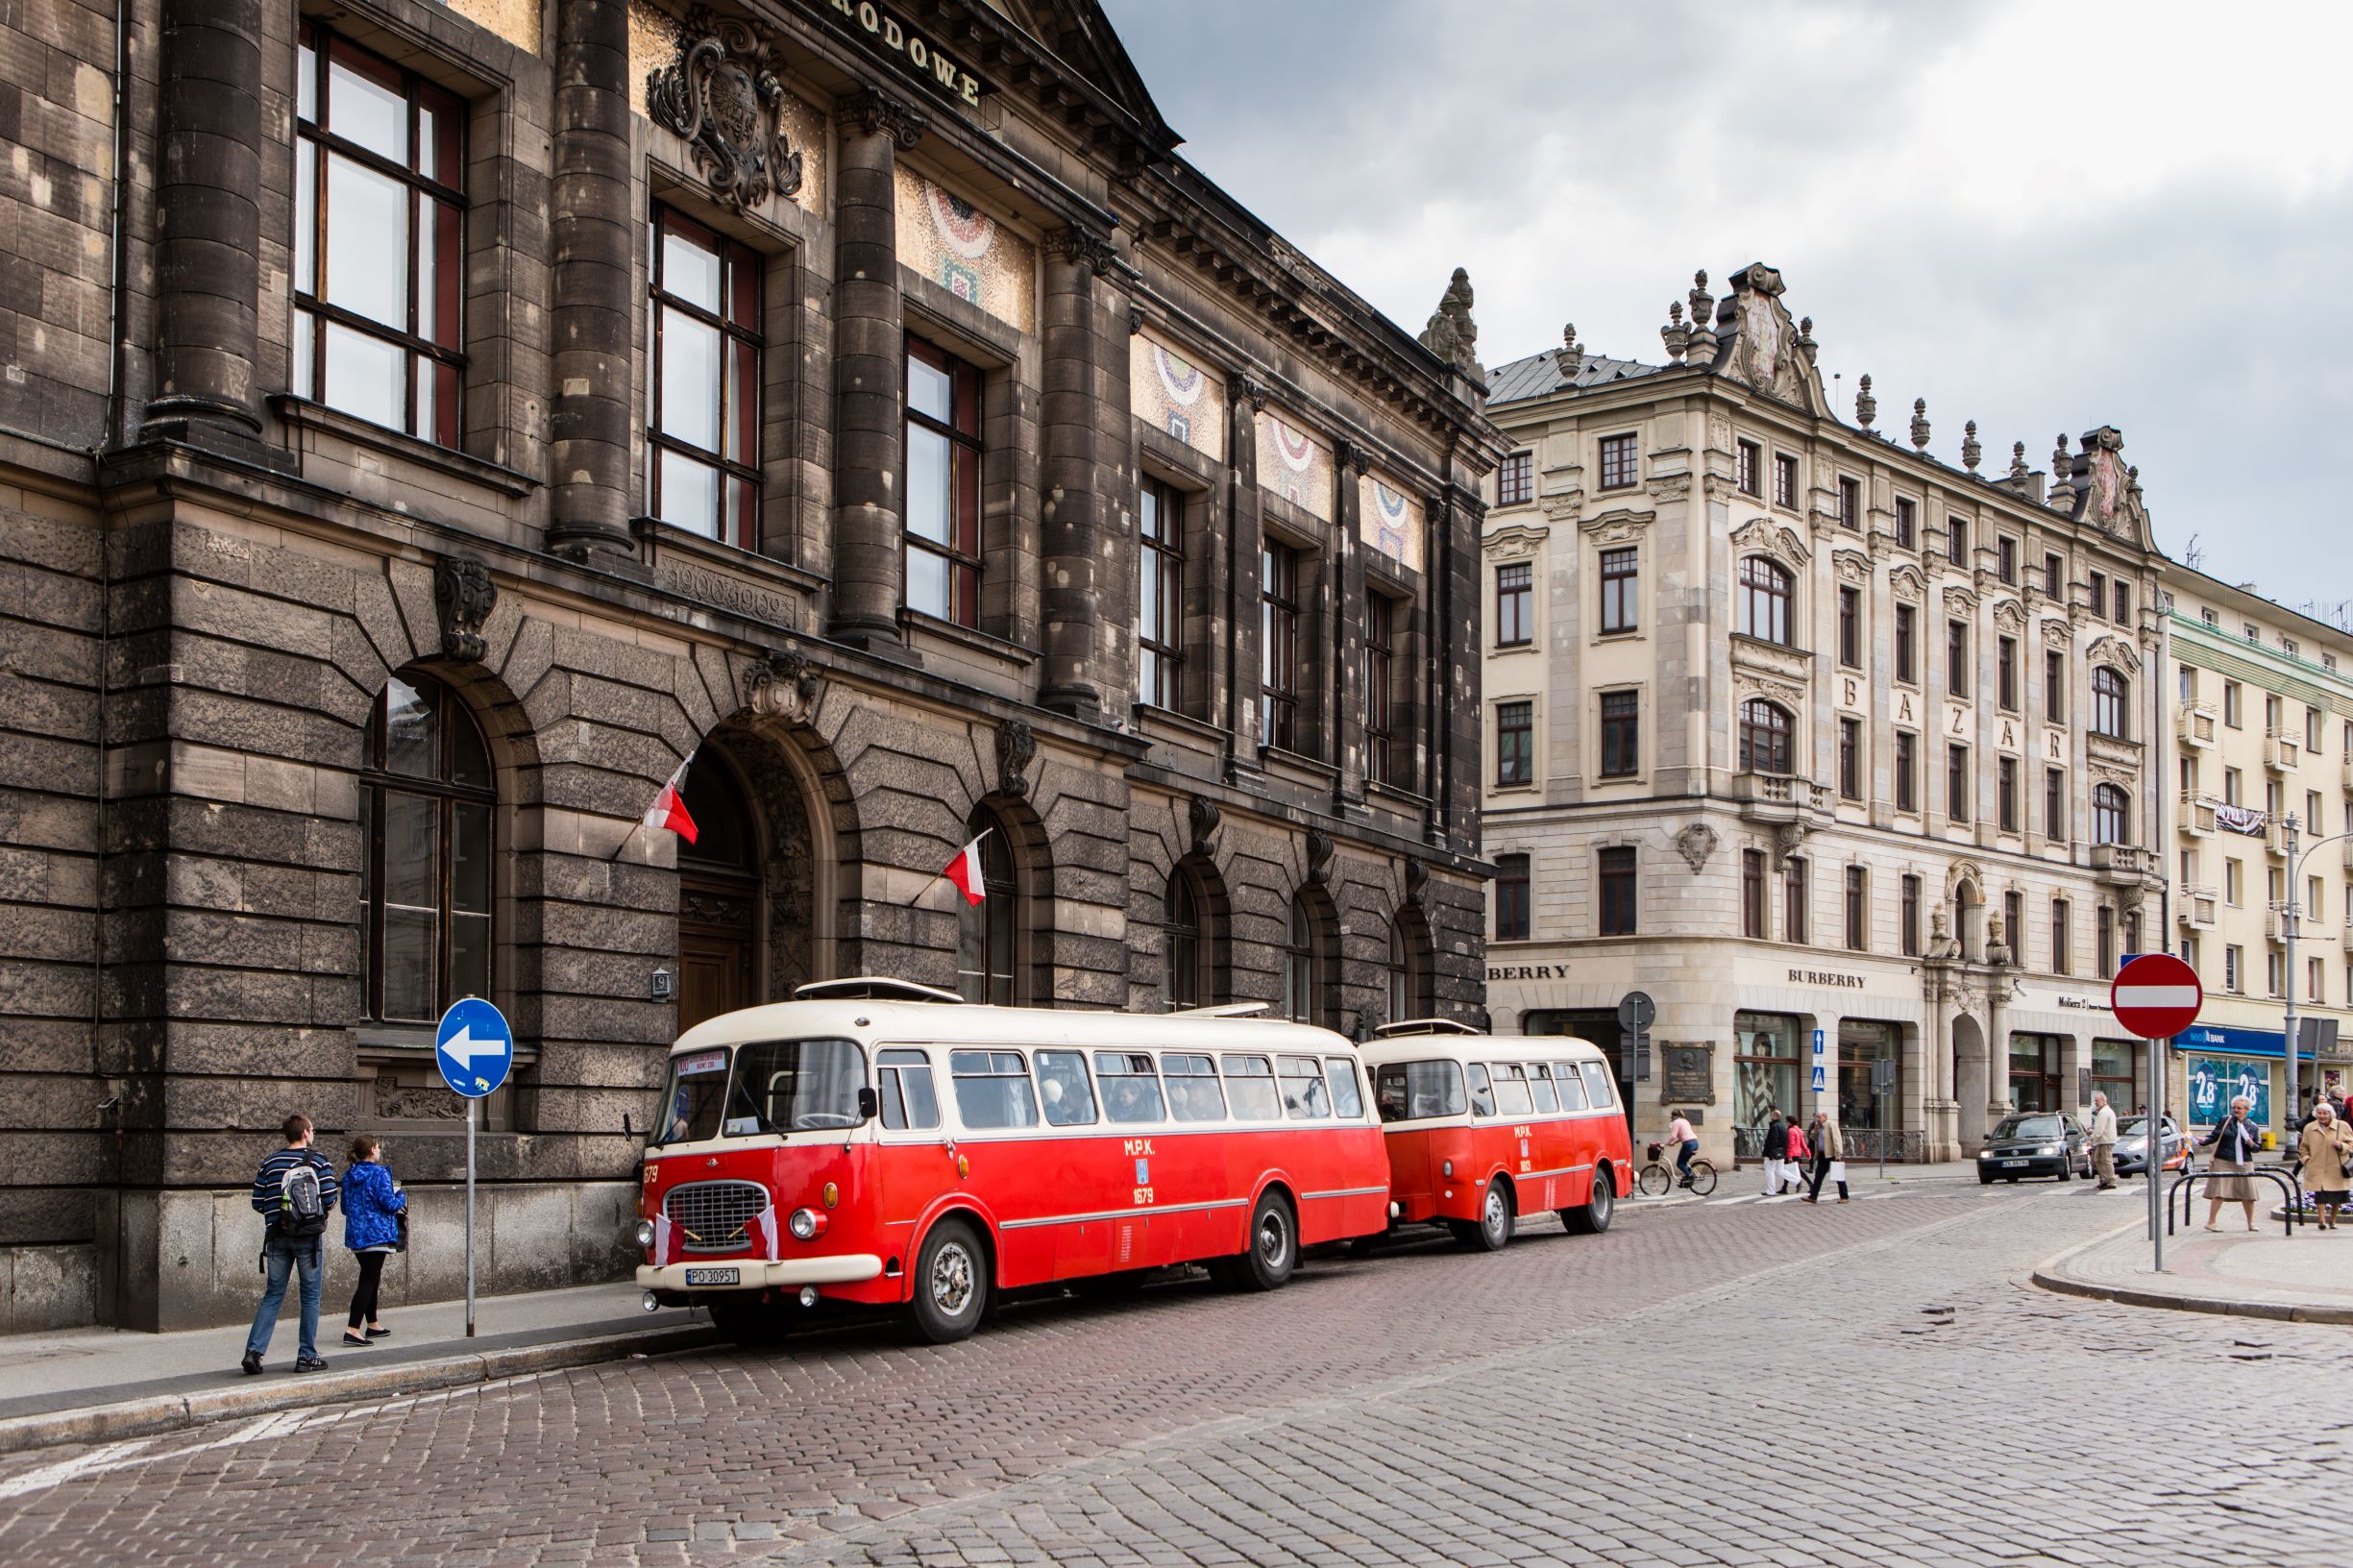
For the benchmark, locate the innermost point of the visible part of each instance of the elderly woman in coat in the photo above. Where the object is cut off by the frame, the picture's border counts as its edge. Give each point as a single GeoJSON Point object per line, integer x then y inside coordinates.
{"type": "Point", "coordinates": [2326, 1149]}
{"type": "Point", "coordinates": [2234, 1140]}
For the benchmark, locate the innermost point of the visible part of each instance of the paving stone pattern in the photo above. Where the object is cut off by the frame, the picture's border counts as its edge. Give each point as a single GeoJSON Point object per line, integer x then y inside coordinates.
{"type": "Point", "coordinates": [1657, 1395]}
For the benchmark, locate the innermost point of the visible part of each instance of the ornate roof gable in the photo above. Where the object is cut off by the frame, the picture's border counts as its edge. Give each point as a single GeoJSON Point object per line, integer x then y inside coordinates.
{"type": "Point", "coordinates": [1760, 346]}
{"type": "Point", "coordinates": [2107, 490]}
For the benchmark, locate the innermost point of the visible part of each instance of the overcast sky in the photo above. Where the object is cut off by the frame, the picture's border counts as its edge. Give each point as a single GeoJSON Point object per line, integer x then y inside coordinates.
{"type": "Point", "coordinates": [2043, 217]}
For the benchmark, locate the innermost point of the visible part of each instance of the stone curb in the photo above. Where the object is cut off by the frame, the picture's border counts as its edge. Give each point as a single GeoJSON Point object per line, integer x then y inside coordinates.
{"type": "Point", "coordinates": [172, 1413]}
{"type": "Point", "coordinates": [2051, 1274]}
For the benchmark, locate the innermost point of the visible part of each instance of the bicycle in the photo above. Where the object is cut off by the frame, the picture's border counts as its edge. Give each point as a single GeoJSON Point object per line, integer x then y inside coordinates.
{"type": "Point", "coordinates": [1658, 1178]}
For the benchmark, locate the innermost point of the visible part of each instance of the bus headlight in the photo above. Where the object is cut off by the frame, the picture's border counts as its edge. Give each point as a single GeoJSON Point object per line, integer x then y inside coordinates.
{"type": "Point", "coordinates": [806, 1224]}
{"type": "Point", "coordinates": [644, 1233]}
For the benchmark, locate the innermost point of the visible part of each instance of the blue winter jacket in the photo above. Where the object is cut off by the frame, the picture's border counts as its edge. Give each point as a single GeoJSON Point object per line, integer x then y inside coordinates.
{"type": "Point", "coordinates": [369, 1202]}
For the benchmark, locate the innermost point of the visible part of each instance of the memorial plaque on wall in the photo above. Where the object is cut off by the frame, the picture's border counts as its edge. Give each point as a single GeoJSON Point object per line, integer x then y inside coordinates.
{"type": "Point", "coordinates": [1691, 1073]}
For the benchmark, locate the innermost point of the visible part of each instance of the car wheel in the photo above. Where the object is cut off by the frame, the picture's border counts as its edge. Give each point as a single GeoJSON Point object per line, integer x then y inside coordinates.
{"type": "Point", "coordinates": [2067, 1167]}
{"type": "Point", "coordinates": [1985, 1178]}
{"type": "Point", "coordinates": [951, 1282]}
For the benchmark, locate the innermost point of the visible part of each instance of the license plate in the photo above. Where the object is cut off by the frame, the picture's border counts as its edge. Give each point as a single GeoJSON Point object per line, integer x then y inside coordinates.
{"type": "Point", "coordinates": [713, 1276]}
{"type": "Point", "coordinates": [2006, 1164]}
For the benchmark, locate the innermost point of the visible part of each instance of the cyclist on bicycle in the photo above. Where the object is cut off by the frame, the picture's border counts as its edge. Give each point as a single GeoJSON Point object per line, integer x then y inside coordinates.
{"type": "Point", "coordinates": [1686, 1144]}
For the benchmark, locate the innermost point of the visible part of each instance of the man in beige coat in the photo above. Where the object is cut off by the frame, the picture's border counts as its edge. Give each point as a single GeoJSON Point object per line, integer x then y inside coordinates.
{"type": "Point", "coordinates": [1828, 1150]}
{"type": "Point", "coordinates": [2103, 1143]}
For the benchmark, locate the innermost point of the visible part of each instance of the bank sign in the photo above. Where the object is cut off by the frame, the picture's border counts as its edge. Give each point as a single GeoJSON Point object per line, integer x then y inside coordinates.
{"type": "Point", "coordinates": [2215, 1081]}
{"type": "Point", "coordinates": [924, 58]}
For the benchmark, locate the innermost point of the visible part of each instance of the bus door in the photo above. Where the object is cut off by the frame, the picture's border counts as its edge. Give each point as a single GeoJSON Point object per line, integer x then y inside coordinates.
{"type": "Point", "coordinates": [1555, 1144]}
{"type": "Point", "coordinates": [915, 1160]}
{"type": "Point", "coordinates": [1582, 1140]}
{"type": "Point", "coordinates": [1074, 1176]}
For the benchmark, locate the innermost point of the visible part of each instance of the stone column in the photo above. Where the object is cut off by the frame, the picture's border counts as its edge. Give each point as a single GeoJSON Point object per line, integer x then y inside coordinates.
{"type": "Point", "coordinates": [591, 311]}
{"type": "Point", "coordinates": [868, 363]}
{"type": "Point", "coordinates": [208, 268]}
{"type": "Point", "coordinates": [1344, 648]}
{"type": "Point", "coordinates": [1085, 347]}
{"type": "Point", "coordinates": [1245, 532]}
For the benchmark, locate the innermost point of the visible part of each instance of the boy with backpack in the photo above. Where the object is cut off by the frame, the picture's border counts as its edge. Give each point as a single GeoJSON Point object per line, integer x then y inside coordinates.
{"type": "Point", "coordinates": [293, 1192]}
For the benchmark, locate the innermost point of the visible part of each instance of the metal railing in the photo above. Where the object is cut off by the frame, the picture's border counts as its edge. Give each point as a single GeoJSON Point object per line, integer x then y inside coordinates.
{"type": "Point", "coordinates": [2291, 1193]}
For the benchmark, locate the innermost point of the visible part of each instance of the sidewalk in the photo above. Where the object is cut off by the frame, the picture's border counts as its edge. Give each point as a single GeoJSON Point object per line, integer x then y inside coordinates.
{"type": "Point", "coordinates": [2307, 1279]}
{"type": "Point", "coordinates": [98, 1385]}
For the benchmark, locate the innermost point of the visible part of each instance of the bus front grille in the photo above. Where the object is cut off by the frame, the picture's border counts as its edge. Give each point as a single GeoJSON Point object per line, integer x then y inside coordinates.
{"type": "Point", "coordinates": [716, 1215]}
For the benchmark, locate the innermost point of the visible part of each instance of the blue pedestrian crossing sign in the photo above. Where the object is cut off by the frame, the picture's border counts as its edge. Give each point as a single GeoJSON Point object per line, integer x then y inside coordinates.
{"type": "Point", "coordinates": [474, 1047]}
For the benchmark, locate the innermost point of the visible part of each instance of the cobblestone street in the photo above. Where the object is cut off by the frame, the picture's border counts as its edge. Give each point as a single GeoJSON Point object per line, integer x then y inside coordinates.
{"type": "Point", "coordinates": [1728, 1382]}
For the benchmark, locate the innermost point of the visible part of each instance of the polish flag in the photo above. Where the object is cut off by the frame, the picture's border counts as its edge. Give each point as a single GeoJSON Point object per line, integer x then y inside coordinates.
{"type": "Point", "coordinates": [965, 871]}
{"type": "Point", "coordinates": [669, 808]}
{"type": "Point", "coordinates": [764, 1226]}
{"type": "Point", "coordinates": [667, 1244]}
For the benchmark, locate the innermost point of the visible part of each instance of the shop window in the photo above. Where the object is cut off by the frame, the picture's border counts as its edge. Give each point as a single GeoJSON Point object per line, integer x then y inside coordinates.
{"type": "Point", "coordinates": [1861, 1107]}
{"type": "Point", "coordinates": [1765, 1076]}
{"type": "Point", "coordinates": [944, 483]}
{"type": "Point", "coordinates": [378, 237]}
{"type": "Point", "coordinates": [702, 460]}
{"type": "Point", "coordinates": [2035, 1083]}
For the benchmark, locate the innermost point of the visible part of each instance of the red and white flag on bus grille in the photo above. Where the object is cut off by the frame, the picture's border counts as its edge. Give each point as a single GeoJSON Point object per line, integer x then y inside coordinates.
{"type": "Point", "coordinates": [668, 1240]}
{"type": "Point", "coordinates": [669, 808]}
{"type": "Point", "coordinates": [965, 871]}
{"type": "Point", "coordinates": [764, 1230]}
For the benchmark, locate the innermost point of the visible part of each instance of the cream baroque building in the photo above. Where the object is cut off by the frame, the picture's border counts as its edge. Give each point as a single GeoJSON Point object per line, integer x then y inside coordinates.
{"type": "Point", "coordinates": [1839, 752]}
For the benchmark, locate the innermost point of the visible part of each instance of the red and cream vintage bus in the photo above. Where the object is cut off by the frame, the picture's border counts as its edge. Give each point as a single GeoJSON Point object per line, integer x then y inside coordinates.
{"type": "Point", "coordinates": [1483, 1128]}
{"type": "Point", "coordinates": [863, 1146]}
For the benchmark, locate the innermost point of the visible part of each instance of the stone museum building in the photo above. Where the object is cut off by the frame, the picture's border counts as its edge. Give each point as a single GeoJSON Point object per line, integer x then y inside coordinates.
{"type": "Point", "coordinates": [425, 426]}
{"type": "Point", "coordinates": [1843, 754]}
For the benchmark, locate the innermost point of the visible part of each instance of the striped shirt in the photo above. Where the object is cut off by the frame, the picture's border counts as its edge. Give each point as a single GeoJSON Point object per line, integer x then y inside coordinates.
{"type": "Point", "coordinates": [266, 1195]}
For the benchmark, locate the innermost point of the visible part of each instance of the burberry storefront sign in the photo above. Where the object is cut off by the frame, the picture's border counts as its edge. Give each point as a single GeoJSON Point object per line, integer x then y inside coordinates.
{"type": "Point", "coordinates": [926, 59]}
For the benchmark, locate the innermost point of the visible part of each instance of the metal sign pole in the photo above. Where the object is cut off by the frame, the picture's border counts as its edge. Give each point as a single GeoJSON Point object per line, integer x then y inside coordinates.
{"type": "Point", "coordinates": [472, 1106]}
{"type": "Point", "coordinates": [2153, 1125]}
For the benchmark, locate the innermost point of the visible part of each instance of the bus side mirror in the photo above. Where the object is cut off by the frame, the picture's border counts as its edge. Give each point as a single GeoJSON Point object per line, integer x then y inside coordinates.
{"type": "Point", "coordinates": [869, 1105]}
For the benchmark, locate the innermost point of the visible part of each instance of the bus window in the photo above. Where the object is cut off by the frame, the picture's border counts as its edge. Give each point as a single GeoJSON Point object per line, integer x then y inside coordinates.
{"type": "Point", "coordinates": [698, 1090]}
{"type": "Point", "coordinates": [1482, 1093]}
{"type": "Point", "coordinates": [1597, 1083]}
{"type": "Point", "coordinates": [1250, 1088]}
{"type": "Point", "coordinates": [1193, 1094]}
{"type": "Point", "coordinates": [795, 1086]}
{"type": "Point", "coordinates": [1540, 1085]}
{"type": "Point", "coordinates": [1511, 1089]}
{"type": "Point", "coordinates": [1061, 1083]}
{"type": "Point", "coordinates": [1131, 1089]}
{"type": "Point", "coordinates": [1347, 1098]}
{"type": "Point", "coordinates": [992, 1089]}
{"type": "Point", "coordinates": [1412, 1090]}
{"type": "Point", "coordinates": [907, 1099]}
{"type": "Point", "coordinates": [1304, 1098]}
{"type": "Point", "coordinates": [1572, 1087]}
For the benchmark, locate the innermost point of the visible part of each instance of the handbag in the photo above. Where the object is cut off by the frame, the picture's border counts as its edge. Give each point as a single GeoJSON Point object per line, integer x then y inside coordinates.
{"type": "Point", "coordinates": [1838, 1171]}
{"type": "Point", "coordinates": [400, 1242]}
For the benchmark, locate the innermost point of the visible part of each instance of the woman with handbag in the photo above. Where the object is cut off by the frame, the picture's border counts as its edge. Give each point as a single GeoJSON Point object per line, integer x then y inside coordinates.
{"type": "Point", "coordinates": [2234, 1142]}
{"type": "Point", "coordinates": [374, 1226]}
{"type": "Point", "coordinates": [1829, 1156]}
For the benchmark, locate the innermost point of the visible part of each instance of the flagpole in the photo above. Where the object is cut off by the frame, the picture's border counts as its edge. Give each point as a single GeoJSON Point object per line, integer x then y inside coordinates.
{"type": "Point", "coordinates": [626, 840]}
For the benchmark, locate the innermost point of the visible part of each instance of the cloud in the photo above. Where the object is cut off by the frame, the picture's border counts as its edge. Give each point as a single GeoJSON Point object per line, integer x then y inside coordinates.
{"type": "Point", "coordinates": [2041, 218]}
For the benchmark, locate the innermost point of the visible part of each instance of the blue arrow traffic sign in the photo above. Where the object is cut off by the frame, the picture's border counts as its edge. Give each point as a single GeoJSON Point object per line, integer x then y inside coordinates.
{"type": "Point", "coordinates": [474, 1047]}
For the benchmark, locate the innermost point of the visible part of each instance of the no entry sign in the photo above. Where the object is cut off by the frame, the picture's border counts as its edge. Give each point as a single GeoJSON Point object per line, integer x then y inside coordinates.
{"type": "Point", "coordinates": [2156, 996]}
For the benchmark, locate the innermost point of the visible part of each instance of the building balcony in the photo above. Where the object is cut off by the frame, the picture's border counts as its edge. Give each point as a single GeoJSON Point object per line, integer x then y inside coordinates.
{"type": "Point", "coordinates": [2282, 752]}
{"type": "Point", "coordinates": [2274, 924]}
{"type": "Point", "coordinates": [2198, 907]}
{"type": "Point", "coordinates": [2123, 865]}
{"type": "Point", "coordinates": [2195, 726]}
{"type": "Point", "coordinates": [1781, 797]}
{"type": "Point", "coordinates": [2348, 773]}
{"type": "Point", "coordinates": [2348, 938]}
{"type": "Point", "coordinates": [2275, 838]}
{"type": "Point", "coordinates": [2347, 846]}
{"type": "Point", "coordinates": [2197, 817]}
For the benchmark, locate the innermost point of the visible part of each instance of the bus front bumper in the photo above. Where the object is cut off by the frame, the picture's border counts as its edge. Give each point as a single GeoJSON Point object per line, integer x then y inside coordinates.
{"type": "Point", "coordinates": [758, 1274]}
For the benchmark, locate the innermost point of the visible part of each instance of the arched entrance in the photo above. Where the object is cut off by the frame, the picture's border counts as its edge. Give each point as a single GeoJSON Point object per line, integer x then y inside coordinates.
{"type": "Point", "coordinates": [1971, 1079]}
{"type": "Point", "coordinates": [747, 884]}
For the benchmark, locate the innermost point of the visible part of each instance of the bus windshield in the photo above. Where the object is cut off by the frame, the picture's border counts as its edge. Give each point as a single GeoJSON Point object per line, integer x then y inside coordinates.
{"type": "Point", "coordinates": [777, 1085]}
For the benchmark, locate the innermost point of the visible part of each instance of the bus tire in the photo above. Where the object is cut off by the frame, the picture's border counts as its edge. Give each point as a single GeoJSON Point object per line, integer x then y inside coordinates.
{"type": "Point", "coordinates": [1265, 1263]}
{"type": "Point", "coordinates": [1492, 1231]}
{"type": "Point", "coordinates": [950, 1288]}
{"type": "Point", "coordinates": [750, 1322]}
{"type": "Point", "coordinates": [1599, 1208]}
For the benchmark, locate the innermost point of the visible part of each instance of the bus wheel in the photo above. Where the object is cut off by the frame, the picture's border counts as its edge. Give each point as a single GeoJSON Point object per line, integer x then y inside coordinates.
{"type": "Point", "coordinates": [951, 1282]}
{"type": "Point", "coordinates": [750, 1321]}
{"type": "Point", "coordinates": [1493, 1231]}
{"type": "Point", "coordinates": [1273, 1252]}
{"type": "Point", "coordinates": [1598, 1210]}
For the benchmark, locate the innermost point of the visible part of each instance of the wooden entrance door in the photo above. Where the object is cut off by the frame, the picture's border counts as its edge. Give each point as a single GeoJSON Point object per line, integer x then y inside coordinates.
{"type": "Point", "coordinates": [718, 936]}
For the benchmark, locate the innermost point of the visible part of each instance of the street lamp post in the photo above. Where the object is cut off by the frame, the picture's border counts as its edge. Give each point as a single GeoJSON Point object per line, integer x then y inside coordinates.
{"type": "Point", "coordinates": [2292, 916]}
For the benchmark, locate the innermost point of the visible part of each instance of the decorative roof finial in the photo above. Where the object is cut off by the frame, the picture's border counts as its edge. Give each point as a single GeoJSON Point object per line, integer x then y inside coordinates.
{"type": "Point", "coordinates": [2062, 473]}
{"type": "Point", "coordinates": [1805, 338]}
{"type": "Point", "coordinates": [1572, 353]}
{"type": "Point", "coordinates": [2020, 473]}
{"type": "Point", "coordinates": [1703, 303]}
{"type": "Point", "coordinates": [1920, 424]}
{"type": "Point", "coordinates": [1674, 335]}
{"type": "Point", "coordinates": [1970, 451]}
{"type": "Point", "coordinates": [1451, 334]}
{"type": "Point", "coordinates": [1866, 406]}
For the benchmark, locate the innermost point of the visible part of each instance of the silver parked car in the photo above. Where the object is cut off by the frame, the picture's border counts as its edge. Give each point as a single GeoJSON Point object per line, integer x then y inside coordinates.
{"type": "Point", "coordinates": [2132, 1144]}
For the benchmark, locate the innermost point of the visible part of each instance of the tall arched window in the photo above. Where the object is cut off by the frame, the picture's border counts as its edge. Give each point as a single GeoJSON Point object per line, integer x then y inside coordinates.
{"type": "Point", "coordinates": [1399, 966]}
{"type": "Point", "coordinates": [988, 969]}
{"type": "Point", "coordinates": [1185, 943]}
{"type": "Point", "coordinates": [1301, 967]}
{"type": "Point", "coordinates": [2111, 704]}
{"type": "Point", "coordinates": [1764, 599]}
{"type": "Point", "coordinates": [427, 796]}
{"type": "Point", "coordinates": [1764, 737]}
{"type": "Point", "coordinates": [2111, 815]}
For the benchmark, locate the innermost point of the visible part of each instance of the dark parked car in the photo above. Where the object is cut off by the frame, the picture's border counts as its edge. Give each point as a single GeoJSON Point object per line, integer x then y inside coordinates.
{"type": "Point", "coordinates": [2035, 1143]}
{"type": "Point", "coordinates": [2132, 1144]}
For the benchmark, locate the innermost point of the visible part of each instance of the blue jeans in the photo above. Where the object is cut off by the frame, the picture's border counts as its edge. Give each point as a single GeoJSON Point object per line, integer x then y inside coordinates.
{"type": "Point", "coordinates": [281, 1257]}
{"type": "Point", "coordinates": [1683, 1157]}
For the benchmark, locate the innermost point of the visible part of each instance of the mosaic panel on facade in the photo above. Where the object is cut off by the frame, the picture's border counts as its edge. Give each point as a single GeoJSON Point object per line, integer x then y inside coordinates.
{"type": "Point", "coordinates": [1389, 521]}
{"type": "Point", "coordinates": [517, 21]}
{"type": "Point", "coordinates": [1171, 393]}
{"type": "Point", "coordinates": [954, 244]}
{"type": "Point", "coordinates": [1295, 465]}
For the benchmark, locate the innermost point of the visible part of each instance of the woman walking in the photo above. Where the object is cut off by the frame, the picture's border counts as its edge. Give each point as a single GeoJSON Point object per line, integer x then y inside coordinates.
{"type": "Point", "coordinates": [1799, 1154]}
{"type": "Point", "coordinates": [1829, 1150]}
{"type": "Point", "coordinates": [373, 1202]}
{"type": "Point", "coordinates": [2234, 1143]}
{"type": "Point", "coordinates": [2327, 1151]}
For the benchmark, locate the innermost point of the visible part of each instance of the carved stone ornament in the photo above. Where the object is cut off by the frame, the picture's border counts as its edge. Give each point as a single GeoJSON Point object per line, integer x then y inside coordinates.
{"type": "Point", "coordinates": [1787, 840]}
{"type": "Point", "coordinates": [1852, 566]}
{"type": "Point", "coordinates": [1088, 248]}
{"type": "Point", "coordinates": [2009, 617]}
{"type": "Point", "coordinates": [1695, 844]}
{"type": "Point", "coordinates": [1746, 686]}
{"type": "Point", "coordinates": [2058, 634]}
{"type": "Point", "coordinates": [1451, 334]}
{"type": "Point", "coordinates": [785, 686]}
{"type": "Point", "coordinates": [1205, 820]}
{"type": "Point", "coordinates": [877, 113]}
{"type": "Point", "coordinates": [723, 95]}
{"type": "Point", "coordinates": [1762, 344]}
{"type": "Point", "coordinates": [463, 598]}
{"type": "Point", "coordinates": [1959, 601]}
{"type": "Point", "coordinates": [1017, 747]}
{"type": "Point", "coordinates": [1320, 849]}
{"type": "Point", "coordinates": [1619, 525]}
{"type": "Point", "coordinates": [1247, 389]}
{"type": "Point", "coordinates": [1784, 542]}
{"type": "Point", "coordinates": [1669, 487]}
{"type": "Point", "coordinates": [1515, 540]}
{"type": "Point", "coordinates": [1907, 584]}
{"type": "Point", "coordinates": [2116, 651]}
{"type": "Point", "coordinates": [2106, 483]}
{"type": "Point", "coordinates": [1417, 883]}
